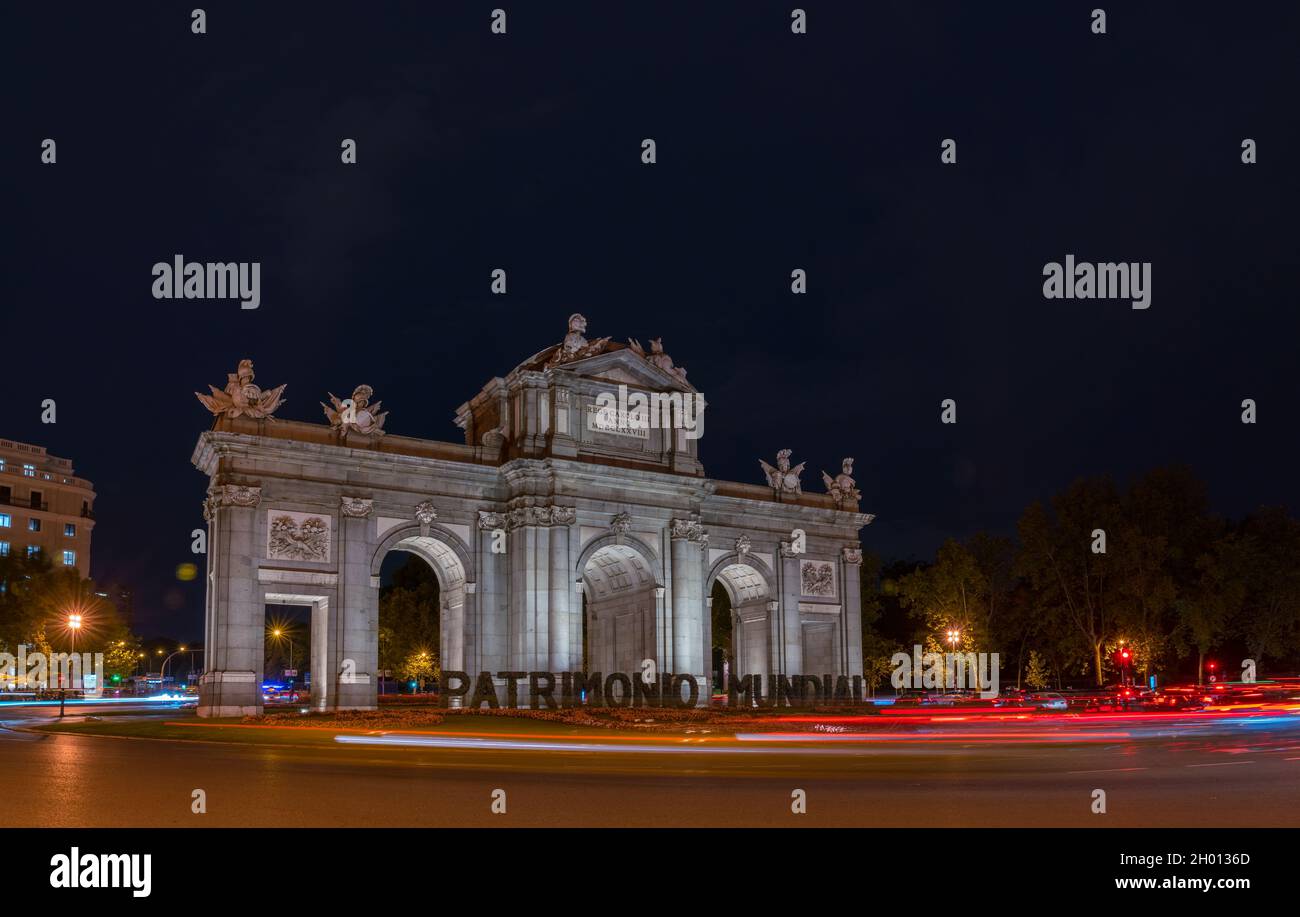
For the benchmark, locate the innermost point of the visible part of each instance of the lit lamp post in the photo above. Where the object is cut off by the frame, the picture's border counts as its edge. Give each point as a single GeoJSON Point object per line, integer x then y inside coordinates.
{"type": "Point", "coordinates": [279, 633]}
{"type": "Point", "coordinates": [74, 625]}
{"type": "Point", "coordinates": [163, 672]}
{"type": "Point", "coordinates": [954, 637]}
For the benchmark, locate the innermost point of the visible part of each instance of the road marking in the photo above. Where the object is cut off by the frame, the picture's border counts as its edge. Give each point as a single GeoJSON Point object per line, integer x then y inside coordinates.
{"type": "Point", "coordinates": [1219, 764]}
{"type": "Point", "coordinates": [1108, 770]}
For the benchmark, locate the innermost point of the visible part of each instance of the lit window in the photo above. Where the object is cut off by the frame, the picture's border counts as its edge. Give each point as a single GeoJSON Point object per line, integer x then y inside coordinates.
{"type": "Point", "coordinates": [33, 550]}
{"type": "Point", "coordinates": [4, 549]}
{"type": "Point", "coordinates": [33, 525]}
{"type": "Point", "coordinates": [70, 529]}
{"type": "Point", "coordinates": [29, 471]}
{"type": "Point", "coordinates": [5, 520]}
{"type": "Point", "coordinates": [69, 558]}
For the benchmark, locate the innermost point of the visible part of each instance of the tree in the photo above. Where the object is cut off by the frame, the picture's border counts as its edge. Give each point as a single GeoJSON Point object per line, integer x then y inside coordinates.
{"type": "Point", "coordinates": [1066, 575]}
{"type": "Point", "coordinates": [408, 615]}
{"type": "Point", "coordinates": [722, 632]}
{"type": "Point", "coordinates": [1207, 606]}
{"type": "Point", "coordinates": [1269, 620]}
{"type": "Point", "coordinates": [951, 593]}
{"type": "Point", "coordinates": [37, 599]}
{"type": "Point", "coordinates": [120, 658]}
{"type": "Point", "coordinates": [1036, 673]}
{"type": "Point", "coordinates": [420, 666]}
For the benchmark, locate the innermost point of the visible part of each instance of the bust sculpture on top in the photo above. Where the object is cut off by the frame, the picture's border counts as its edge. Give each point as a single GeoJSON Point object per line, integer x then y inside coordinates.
{"type": "Point", "coordinates": [575, 345]}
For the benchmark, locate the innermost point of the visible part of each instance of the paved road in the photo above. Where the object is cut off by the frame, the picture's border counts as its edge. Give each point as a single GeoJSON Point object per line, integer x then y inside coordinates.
{"type": "Point", "coordinates": [1237, 779]}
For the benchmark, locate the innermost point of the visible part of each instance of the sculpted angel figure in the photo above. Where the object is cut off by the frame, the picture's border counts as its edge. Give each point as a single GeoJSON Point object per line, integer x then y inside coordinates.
{"type": "Point", "coordinates": [242, 397]}
{"type": "Point", "coordinates": [842, 488]}
{"type": "Point", "coordinates": [783, 478]}
{"type": "Point", "coordinates": [356, 414]}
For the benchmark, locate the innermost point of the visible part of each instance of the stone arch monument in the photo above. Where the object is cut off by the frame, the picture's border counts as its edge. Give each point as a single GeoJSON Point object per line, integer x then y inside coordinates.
{"type": "Point", "coordinates": [579, 485]}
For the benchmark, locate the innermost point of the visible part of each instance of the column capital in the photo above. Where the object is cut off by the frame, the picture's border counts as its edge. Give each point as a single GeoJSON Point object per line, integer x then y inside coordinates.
{"type": "Point", "coordinates": [244, 495]}
{"type": "Point", "coordinates": [688, 529]}
{"type": "Point", "coordinates": [541, 515]}
{"type": "Point", "coordinates": [489, 521]}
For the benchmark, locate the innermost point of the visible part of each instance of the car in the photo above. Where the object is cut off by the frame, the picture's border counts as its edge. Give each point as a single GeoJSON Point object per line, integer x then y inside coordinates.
{"type": "Point", "coordinates": [1047, 700]}
{"type": "Point", "coordinates": [1011, 697]}
{"type": "Point", "coordinates": [1175, 698]}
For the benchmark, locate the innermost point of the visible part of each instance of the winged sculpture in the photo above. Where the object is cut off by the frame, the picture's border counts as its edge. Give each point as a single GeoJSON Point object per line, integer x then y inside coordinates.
{"type": "Point", "coordinates": [783, 479]}
{"type": "Point", "coordinates": [842, 488]}
{"type": "Point", "coordinates": [356, 414]}
{"type": "Point", "coordinates": [242, 397]}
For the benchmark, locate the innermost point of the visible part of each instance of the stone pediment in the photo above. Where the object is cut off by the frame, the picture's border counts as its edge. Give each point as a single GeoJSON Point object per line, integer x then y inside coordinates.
{"type": "Point", "coordinates": [630, 368]}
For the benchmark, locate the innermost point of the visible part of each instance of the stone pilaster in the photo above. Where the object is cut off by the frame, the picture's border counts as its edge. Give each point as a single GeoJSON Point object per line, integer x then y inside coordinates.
{"type": "Point", "coordinates": [851, 578]}
{"type": "Point", "coordinates": [688, 540]}
{"type": "Point", "coordinates": [232, 682]}
{"type": "Point", "coordinates": [352, 632]}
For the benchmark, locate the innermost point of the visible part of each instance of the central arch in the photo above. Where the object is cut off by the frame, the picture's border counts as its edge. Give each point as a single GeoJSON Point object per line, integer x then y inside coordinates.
{"type": "Point", "coordinates": [622, 589]}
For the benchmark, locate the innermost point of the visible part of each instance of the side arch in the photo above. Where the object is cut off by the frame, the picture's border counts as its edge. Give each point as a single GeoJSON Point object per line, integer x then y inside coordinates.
{"type": "Point", "coordinates": [453, 565]}
{"type": "Point", "coordinates": [409, 533]}
{"type": "Point", "coordinates": [758, 565]}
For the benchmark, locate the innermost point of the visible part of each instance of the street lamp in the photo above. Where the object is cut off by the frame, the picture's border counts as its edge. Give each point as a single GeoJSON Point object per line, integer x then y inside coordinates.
{"type": "Point", "coordinates": [74, 625]}
{"type": "Point", "coordinates": [163, 671]}
{"type": "Point", "coordinates": [279, 632]}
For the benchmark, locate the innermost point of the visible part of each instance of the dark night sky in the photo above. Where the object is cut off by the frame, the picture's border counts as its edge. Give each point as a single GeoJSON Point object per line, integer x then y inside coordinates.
{"type": "Point", "coordinates": [775, 151]}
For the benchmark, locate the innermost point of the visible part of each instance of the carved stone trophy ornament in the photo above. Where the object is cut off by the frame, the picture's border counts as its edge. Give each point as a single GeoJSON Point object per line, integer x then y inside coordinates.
{"type": "Point", "coordinates": [241, 397]}
{"type": "Point", "coordinates": [356, 414]}
{"type": "Point", "coordinates": [842, 488]}
{"type": "Point", "coordinates": [783, 479]}
{"type": "Point", "coordinates": [657, 357]}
